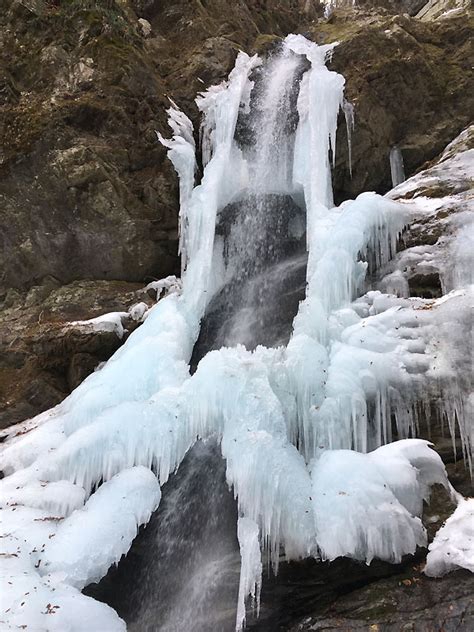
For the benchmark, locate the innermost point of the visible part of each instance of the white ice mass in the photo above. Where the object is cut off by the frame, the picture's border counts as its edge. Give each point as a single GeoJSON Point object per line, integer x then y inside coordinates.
{"type": "Point", "coordinates": [453, 546]}
{"type": "Point", "coordinates": [305, 429]}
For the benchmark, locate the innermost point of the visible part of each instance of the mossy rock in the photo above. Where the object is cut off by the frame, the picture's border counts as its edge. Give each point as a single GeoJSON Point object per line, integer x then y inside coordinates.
{"type": "Point", "coordinates": [266, 43]}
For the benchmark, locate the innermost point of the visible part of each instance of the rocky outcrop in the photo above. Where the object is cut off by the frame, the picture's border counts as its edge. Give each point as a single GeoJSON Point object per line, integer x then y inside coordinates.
{"type": "Point", "coordinates": [85, 188]}
{"type": "Point", "coordinates": [408, 602]}
{"type": "Point", "coordinates": [443, 192]}
{"type": "Point", "coordinates": [85, 191]}
{"type": "Point", "coordinates": [43, 357]}
{"type": "Point", "coordinates": [410, 83]}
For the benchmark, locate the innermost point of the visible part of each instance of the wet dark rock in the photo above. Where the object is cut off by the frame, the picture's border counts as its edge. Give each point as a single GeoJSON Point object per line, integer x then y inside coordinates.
{"type": "Point", "coordinates": [80, 366]}
{"type": "Point", "coordinates": [408, 601]}
{"type": "Point", "coordinates": [425, 285]}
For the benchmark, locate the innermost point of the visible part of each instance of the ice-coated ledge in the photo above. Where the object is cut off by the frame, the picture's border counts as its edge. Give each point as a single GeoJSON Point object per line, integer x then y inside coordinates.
{"type": "Point", "coordinates": [453, 546]}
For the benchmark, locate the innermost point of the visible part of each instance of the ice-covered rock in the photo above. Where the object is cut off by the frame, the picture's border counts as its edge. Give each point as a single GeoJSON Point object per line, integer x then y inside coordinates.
{"type": "Point", "coordinates": [453, 546]}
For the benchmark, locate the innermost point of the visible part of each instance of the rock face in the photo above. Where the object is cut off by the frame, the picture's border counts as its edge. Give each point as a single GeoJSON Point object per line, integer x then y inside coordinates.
{"type": "Point", "coordinates": [405, 602]}
{"type": "Point", "coordinates": [86, 190]}
{"type": "Point", "coordinates": [78, 198]}
{"type": "Point", "coordinates": [410, 86]}
{"type": "Point", "coordinates": [42, 358]}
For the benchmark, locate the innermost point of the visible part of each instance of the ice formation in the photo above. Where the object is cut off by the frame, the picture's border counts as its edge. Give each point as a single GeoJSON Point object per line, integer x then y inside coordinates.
{"type": "Point", "coordinates": [302, 427]}
{"type": "Point", "coordinates": [169, 285]}
{"type": "Point", "coordinates": [114, 322]}
{"type": "Point", "coordinates": [55, 545]}
{"type": "Point", "coordinates": [382, 492]}
{"type": "Point", "coordinates": [397, 168]}
{"type": "Point", "coordinates": [453, 546]}
{"type": "Point", "coordinates": [251, 573]}
{"type": "Point", "coordinates": [181, 152]}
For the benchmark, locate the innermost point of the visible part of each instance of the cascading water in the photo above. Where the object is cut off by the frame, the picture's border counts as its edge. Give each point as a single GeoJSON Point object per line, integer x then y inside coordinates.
{"type": "Point", "coordinates": [301, 377]}
{"type": "Point", "coordinates": [190, 540]}
{"type": "Point", "coordinates": [262, 235]}
{"type": "Point", "coordinates": [272, 122]}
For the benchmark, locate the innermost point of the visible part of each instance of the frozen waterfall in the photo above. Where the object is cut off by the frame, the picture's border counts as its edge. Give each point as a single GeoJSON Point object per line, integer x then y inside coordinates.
{"type": "Point", "coordinates": [276, 350]}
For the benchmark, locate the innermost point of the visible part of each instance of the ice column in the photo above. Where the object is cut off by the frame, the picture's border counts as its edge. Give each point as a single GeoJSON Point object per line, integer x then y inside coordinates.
{"type": "Point", "coordinates": [397, 168]}
{"type": "Point", "coordinates": [251, 568]}
{"type": "Point", "coordinates": [181, 152]}
{"type": "Point", "coordinates": [223, 176]}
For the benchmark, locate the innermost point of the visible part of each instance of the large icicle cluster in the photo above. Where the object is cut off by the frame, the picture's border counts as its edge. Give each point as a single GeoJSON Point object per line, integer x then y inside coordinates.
{"type": "Point", "coordinates": [442, 197]}
{"type": "Point", "coordinates": [301, 428]}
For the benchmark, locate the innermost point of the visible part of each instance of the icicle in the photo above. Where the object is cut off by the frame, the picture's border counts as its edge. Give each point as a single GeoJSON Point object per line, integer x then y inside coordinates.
{"type": "Point", "coordinates": [321, 96]}
{"type": "Point", "coordinates": [222, 177]}
{"type": "Point", "coordinates": [348, 109]}
{"type": "Point", "coordinates": [396, 166]}
{"type": "Point", "coordinates": [181, 152]}
{"type": "Point", "coordinates": [251, 569]}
